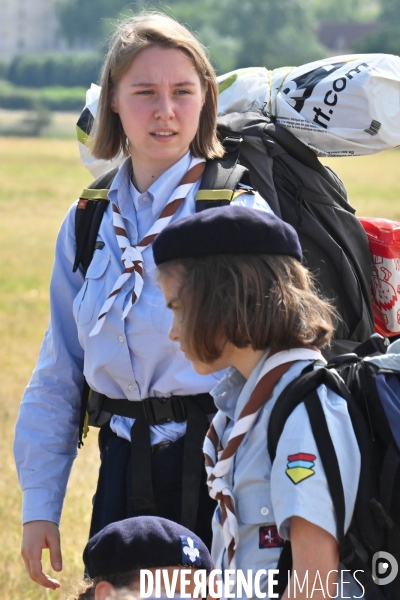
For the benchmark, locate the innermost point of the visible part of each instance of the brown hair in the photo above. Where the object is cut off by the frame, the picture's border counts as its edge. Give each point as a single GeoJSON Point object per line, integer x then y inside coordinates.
{"type": "Point", "coordinates": [248, 300]}
{"type": "Point", "coordinates": [131, 37]}
{"type": "Point", "coordinates": [86, 589]}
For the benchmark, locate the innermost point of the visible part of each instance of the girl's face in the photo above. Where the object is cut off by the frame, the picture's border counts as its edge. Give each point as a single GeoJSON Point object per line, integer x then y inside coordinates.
{"type": "Point", "coordinates": [159, 101]}
{"type": "Point", "coordinates": [170, 285]}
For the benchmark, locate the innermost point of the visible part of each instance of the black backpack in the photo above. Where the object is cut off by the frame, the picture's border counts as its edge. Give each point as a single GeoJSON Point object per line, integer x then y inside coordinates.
{"type": "Point", "coordinates": [375, 526]}
{"type": "Point", "coordinates": [312, 198]}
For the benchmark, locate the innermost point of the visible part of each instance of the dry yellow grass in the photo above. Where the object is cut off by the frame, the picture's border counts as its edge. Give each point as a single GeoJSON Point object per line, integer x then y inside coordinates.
{"type": "Point", "coordinates": [62, 123]}
{"type": "Point", "coordinates": [373, 183]}
{"type": "Point", "coordinates": [39, 180]}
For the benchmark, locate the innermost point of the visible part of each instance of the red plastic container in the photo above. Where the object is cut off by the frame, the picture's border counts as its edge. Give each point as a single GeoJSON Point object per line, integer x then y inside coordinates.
{"type": "Point", "coordinates": [384, 243]}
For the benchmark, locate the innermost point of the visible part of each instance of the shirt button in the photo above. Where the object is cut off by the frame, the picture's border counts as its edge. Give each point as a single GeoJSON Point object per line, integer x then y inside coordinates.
{"type": "Point", "coordinates": [264, 511]}
{"type": "Point", "coordinates": [131, 387]}
{"type": "Point", "coordinates": [121, 338]}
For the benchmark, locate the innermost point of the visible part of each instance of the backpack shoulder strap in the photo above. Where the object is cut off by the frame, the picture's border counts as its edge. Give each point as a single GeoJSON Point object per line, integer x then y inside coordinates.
{"type": "Point", "coordinates": [222, 177]}
{"type": "Point", "coordinates": [294, 394]}
{"type": "Point", "coordinates": [304, 389]}
{"type": "Point", "coordinates": [90, 210]}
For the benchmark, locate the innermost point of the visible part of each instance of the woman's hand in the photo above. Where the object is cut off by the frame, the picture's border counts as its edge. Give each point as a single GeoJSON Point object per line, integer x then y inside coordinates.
{"type": "Point", "coordinates": [314, 550]}
{"type": "Point", "coordinates": [37, 536]}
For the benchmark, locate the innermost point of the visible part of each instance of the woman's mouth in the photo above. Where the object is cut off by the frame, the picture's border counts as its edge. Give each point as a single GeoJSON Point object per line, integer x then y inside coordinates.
{"type": "Point", "coordinates": [163, 134]}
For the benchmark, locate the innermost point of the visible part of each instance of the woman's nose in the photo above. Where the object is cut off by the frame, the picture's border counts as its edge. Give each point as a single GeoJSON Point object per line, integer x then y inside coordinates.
{"type": "Point", "coordinates": [165, 108]}
{"type": "Point", "coordinates": [173, 333]}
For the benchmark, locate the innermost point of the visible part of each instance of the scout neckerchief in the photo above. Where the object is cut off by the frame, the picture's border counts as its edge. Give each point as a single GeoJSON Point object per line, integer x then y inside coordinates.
{"type": "Point", "coordinates": [132, 259]}
{"type": "Point", "coordinates": [275, 366]}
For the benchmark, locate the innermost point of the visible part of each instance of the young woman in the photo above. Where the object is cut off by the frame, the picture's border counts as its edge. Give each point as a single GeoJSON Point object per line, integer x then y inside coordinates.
{"type": "Point", "coordinates": [158, 105]}
{"type": "Point", "coordinates": [241, 298]}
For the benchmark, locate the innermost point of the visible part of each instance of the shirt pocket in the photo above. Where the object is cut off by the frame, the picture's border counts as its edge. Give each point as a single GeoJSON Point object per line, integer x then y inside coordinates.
{"type": "Point", "coordinates": [89, 295]}
{"type": "Point", "coordinates": [254, 507]}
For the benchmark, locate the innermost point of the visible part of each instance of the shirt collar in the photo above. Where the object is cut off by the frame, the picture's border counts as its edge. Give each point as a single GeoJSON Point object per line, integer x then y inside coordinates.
{"type": "Point", "coordinates": [232, 393]}
{"type": "Point", "coordinates": [227, 391]}
{"type": "Point", "coordinates": [120, 186]}
{"type": "Point", "coordinates": [159, 192]}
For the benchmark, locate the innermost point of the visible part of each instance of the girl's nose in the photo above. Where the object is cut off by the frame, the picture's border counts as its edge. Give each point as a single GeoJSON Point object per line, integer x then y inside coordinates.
{"type": "Point", "coordinates": [173, 333]}
{"type": "Point", "coordinates": [165, 108]}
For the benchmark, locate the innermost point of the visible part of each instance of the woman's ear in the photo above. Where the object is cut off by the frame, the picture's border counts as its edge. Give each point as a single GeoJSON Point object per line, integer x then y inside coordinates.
{"type": "Point", "coordinates": [104, 591]}
{"type": "Point", "coordinates": [114, 102]}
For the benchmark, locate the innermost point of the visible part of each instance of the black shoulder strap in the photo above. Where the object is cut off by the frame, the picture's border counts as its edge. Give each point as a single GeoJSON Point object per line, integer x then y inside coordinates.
{"type": "Point", "coordinates": [295, 393]}
{"type": "Point", "coordinates": [222, 177]}
{"type": "Point", "coordinates": [90, 210]}
{"type": "Point", "coordinates": [304, 389]}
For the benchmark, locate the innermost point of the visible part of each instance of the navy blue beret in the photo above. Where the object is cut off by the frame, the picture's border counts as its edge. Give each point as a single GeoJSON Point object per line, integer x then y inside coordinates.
{"type": "Point", "coordinates": [143, 543]}
{"type": "Point", "coordinates": [226, 230]}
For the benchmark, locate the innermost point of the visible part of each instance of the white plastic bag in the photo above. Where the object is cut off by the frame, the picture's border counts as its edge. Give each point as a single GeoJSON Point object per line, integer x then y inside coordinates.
{"type": "Point", "coordinates": [339, 106]}
{"type": "Point", "coordinates": [96, 166]}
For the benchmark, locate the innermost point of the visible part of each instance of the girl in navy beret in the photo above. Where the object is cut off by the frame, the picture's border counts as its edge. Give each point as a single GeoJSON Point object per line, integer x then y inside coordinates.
{"type": "Point", "coordinates": [242, 301]}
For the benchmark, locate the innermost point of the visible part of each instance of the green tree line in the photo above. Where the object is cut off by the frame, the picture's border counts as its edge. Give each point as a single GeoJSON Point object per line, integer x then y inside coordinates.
{"type": "Point", "coordinates": [238, 33]}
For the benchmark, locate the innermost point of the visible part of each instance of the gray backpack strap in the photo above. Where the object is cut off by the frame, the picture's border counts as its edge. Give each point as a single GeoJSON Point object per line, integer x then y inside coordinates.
{"type": "Point", "coordinates": [222, 177]}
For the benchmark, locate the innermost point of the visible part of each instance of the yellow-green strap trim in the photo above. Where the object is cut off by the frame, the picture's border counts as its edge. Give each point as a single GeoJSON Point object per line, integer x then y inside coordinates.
{"type": "Point", "coordinates": [94, 194]}
{"type": "Point", "coordinates": [214, 195]}
{"type": "Point", "coordinates": [82, 136]}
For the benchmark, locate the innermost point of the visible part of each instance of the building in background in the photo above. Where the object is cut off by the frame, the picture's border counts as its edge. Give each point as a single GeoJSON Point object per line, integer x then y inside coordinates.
{"type": "Point", "coordinates": [28, 26]}
{"type": "Point", "coordinates": [339, 37]}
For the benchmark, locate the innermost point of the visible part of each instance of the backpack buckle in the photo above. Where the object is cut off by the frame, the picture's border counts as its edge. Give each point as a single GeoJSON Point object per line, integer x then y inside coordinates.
{"type": "Point", "coordinates": [232, 144]}
{"type": "Point", "coordinates": [341, 359]}
{"type": "Point", "coordinates": [160, 410]}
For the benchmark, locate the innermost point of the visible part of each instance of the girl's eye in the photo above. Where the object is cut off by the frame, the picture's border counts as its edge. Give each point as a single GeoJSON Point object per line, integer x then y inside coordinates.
{"type": "Point", "coordinates": [145, 92]}
{"type": "Point", "coordinates": [182, 92]}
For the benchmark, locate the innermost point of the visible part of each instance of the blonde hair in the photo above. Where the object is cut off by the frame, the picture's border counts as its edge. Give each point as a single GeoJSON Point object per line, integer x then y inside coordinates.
{"type": "Point", "coordinates": [133, 36]}
{"type": "Point", "coordinates": [249, 300]}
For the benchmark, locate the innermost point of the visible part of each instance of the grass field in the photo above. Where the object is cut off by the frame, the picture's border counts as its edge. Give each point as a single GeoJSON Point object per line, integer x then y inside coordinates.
{"type": "Point", "coordinates": [39, 180]}
{"type": "Point", "coordinates": [62, 124]}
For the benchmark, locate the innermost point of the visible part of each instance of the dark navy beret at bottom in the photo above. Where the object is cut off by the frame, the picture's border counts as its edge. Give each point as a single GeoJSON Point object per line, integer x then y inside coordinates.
{"type": "Point", "coordinates": [226, 230]}
{"type": "Point", "coordinates": [143, 543]}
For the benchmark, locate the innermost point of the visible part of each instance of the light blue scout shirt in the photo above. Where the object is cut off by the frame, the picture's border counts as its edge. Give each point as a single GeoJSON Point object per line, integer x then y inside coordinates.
{"type": "Point", "coordinates": [267, 497]}
{"type": "Point", "coordinates": [131, 359]}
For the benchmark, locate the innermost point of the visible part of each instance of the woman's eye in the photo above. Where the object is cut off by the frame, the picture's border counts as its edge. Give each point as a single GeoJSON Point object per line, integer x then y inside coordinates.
{"type": "Point", "coordinates": [182, 92]}
{"type": "Point", "coordinates": [145, 92]}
